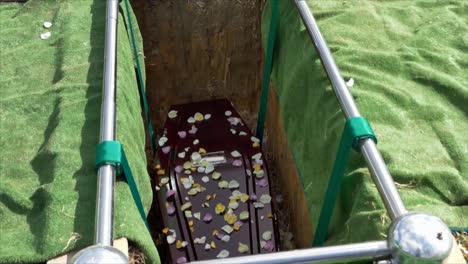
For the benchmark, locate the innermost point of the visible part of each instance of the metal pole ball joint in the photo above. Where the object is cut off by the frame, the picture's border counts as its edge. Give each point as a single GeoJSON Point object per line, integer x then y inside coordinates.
{"type": "Point", "coordinates": [419, 238]}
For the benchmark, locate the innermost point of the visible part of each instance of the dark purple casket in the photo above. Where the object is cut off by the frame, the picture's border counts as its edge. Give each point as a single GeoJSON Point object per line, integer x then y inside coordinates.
{"type": "Point", "coordinates": [214, 185]}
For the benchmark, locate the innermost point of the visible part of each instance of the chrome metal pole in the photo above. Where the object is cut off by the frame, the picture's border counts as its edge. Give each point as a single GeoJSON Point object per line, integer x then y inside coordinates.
{"type": "Point", "coordinates": [356, 251]}
{"type": "Point", "coordinates": [103, 252]}
{"type": "Point", "coordinates": [106, 173]}
{"type": "Point", "coordinates": [376, 164]}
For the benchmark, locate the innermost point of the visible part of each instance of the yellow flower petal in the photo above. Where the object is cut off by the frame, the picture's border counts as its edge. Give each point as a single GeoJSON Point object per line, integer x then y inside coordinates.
{"type": "Point", "coordinates": [219, 209]}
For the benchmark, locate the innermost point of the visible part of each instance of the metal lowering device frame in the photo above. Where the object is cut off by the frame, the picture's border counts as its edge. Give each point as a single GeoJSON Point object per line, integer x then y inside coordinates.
{"type": "Point", "coordinates": [407, 242]}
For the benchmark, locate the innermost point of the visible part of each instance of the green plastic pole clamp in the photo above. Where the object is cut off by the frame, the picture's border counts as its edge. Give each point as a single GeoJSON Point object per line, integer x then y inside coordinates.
{"type": "Point", "coordinates": [355, 130]}
{"type": "Point", "coordinates": [108, 152]}
{"type": "Point", "coordinates": [112, 153]}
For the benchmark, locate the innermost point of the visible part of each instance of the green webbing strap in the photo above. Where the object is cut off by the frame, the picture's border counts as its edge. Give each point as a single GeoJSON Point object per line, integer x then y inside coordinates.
{"type": "Point", "coordinates": [140, 79]}
{"type": "Point", "coordinates": [111, 152]}
{"type": "Point", "coordinates": [458, 229]}
{"type": "Point", "coordinates": [267, 70]}
{"type": "Point", "coordinates": [355, 130]}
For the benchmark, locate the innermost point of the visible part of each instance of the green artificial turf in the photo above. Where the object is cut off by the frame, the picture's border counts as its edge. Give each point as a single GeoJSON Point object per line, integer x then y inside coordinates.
{"type": "Point", "coordinates": [49, 127]}
{"type": "Point", "coordinates": [409, 62]}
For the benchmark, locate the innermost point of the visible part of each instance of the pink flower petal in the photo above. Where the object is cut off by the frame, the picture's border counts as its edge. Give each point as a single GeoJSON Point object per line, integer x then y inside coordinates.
{"type": "Point", "coordinates": [170, 194]}
{"type": "Point", "coordinates": [263, 183]}
{"type": "Point", "coordinates": [193, 130]}
{"type": "Point", "coordinates": [182, 134]}
{"type": "Point", "coordinates": [219, 235]}
{"type": "Point", "coordinates": [269, 246]}
{"type": "Point", "coordinates": [253, 197]}
{"type": "Point", "coordinates": [166, 149]}
{"type": "Point", "coordinates": [238, 223]}
{"type": "Point", "coordinates": [179, 169]}
{"type": "Point", "coordinates": [237, 163]}
{"type": "Point", "coordinates": [207, 218]}
{"type": "Point", "coordinates": [170, 210]}
{"type": "Point", "coordinates": [181, 260]}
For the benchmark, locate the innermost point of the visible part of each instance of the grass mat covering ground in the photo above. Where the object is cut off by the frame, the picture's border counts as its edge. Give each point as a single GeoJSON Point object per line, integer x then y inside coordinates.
{"type": "Point", "coordinates": [50, 119]}
{"type": "Point", "coordinates": [409, 61]}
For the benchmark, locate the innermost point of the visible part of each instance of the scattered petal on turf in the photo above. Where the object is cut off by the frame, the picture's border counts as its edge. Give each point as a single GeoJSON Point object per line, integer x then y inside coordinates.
{"type": "Point", "coordinates": [45, 35]}
{"type": "Point", "coordinates": [47, 24]}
